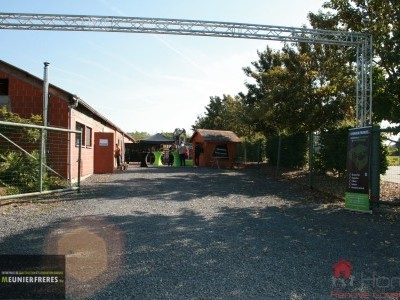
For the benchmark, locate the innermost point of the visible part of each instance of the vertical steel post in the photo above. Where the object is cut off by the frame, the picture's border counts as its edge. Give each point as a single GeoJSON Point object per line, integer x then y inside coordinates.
{"type": "Point", "coordinates": [42, 160]}
{"type": "Point", "coordinates": [364, 82]}
{"type": "Point", "coordinates": [311, 159]}
{"type": "Point", "coordinates": [370, 69]}
{"type": "Point", "coordinates": [278, 160]}
{"type": "Point", "coordinates": [357, 123]}
{"type": "Point", "coordinates": [45, 93]}
{"type": "Point", "coordinates": [245, 151]}
{"type": "Point", "coordinates": [363, 85]}
{"type": "Point", "coordinates": [41, 150]}
{"type": "Point", "coordinates": [374, 166]}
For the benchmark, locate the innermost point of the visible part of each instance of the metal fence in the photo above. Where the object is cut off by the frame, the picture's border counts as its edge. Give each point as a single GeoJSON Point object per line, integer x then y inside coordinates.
{"type": "Point", "coordinates": [37, 159]}
{"type": "Point", "coordinates": [251, 151]}
{"type": "Point", "coordinates": [319, 162]}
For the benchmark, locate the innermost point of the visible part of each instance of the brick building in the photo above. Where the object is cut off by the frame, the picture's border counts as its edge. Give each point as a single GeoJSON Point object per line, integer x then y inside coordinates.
{"type": "Point", "coordinates": [22, 93]}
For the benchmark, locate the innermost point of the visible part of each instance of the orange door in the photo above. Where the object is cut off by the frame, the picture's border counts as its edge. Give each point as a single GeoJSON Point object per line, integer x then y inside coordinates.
{"type": "Point", "coordinates": [103, 152]}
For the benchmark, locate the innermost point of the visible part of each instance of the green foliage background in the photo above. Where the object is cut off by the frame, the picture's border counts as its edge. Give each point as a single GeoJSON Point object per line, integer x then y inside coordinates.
{"type": "Point", "coordinates": [305, 88]}
{"type": "Point", "coordinates": [19, 172]}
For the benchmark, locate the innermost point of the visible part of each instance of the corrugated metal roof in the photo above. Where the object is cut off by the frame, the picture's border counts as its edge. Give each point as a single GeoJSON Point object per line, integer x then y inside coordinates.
{"type": "Point", "coordinates": [216, 135]}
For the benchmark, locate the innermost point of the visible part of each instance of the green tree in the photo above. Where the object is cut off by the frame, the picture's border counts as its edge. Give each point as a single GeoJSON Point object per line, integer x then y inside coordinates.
{"type": "Point", "coordinates": [381, 18]}
{"type": "Point", "coordinates": [331, 151]}
{"type": "Point", "coordinates": [298, 89]}
{"type": "Point", "coordinates": [138, 135]}
{"type": "Point", "coordinates": [213, 118]}
{"type": "Point", "coordinates": [226, 113]}
{"type": "Point", "coordinates": [293, 149]}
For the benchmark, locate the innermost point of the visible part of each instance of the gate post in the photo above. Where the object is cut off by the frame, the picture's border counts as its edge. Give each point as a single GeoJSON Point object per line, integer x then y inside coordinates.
{"type": "Point", "coordinates": [374, 166]}
{"type": "Point", "coordinates": [42, 150]}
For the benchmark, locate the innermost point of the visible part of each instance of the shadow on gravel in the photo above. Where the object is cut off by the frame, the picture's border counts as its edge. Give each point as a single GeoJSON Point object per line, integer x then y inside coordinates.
{"type": "Point", "coordinates": [181, 184]}
{"type": "Point", "coordinates": [272, 252]}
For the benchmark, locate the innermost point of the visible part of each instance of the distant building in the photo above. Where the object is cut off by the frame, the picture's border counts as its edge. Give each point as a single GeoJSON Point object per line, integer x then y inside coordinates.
{"type": "Point", "coordinates": [216, 147]}
{"type": "Point", "coordinates": [22, 93]}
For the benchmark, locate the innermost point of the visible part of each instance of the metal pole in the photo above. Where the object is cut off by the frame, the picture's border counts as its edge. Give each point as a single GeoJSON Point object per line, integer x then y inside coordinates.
{"type": "Point", "coordinates": [311, 159]}
{"type": "Point", "coordinates": [363, 86]}
{"type": "Point", "coordinates": [278, 160]}
{"type": "Point", "coordinates": [374, 166]}
{"type": "Point", "coordinates": [45, 92]}
{"type": "Point", "coordinates": [37, 193]}
{"type": "Point", "coordinates": [42, 162]}
{"type": "Point", "coordinates": [38, 127]}
{"type": "Point", "coordinates": [358, 87]}
{"type": "Point", "coordinates": [245, 151]}
{"type": "Point", "coordinates": [371, 54]}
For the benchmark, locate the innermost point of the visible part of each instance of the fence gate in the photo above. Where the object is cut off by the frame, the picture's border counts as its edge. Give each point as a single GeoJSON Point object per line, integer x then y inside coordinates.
{"type": "Point", "coordinates": [37, 159]}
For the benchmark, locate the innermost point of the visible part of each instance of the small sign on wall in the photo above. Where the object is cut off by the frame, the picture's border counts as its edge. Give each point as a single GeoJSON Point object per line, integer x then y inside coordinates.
{"type": "Point", "coordinates": [103, 142]}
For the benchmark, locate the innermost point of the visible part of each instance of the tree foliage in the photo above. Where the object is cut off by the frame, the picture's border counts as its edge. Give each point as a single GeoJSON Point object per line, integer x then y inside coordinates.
{"type": "Point", "coordinates": [29, 134]}
{"type": "Point", "coordinates": [139, 135]}
{"type": "Point", "coordinates": [298, 90]}
{"type": "Point", "coordinates": [310, 87]}
{"type": "Point", "coordinates": [19, 172]}
{"type": "Point", "coordinates": [226, 113]}
{"type": "Point", "coordinates": [331, 152]}
{"type": "Point", "coordinates": [381, 18]}
{"type": "Point", "coordinates": [293, 149]}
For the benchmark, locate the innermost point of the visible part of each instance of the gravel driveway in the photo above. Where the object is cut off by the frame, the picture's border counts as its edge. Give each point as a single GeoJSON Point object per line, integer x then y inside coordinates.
{"type": "Point", "coordinates": [198, 233]}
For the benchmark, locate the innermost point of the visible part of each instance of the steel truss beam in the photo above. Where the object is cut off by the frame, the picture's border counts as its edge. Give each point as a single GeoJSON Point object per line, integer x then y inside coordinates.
{"type": "Point", "coordinates": [362, 42]}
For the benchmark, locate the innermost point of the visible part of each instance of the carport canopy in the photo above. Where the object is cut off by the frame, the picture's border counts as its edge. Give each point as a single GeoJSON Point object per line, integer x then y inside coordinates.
{"type": "Point", "coordinates": [157, 139]}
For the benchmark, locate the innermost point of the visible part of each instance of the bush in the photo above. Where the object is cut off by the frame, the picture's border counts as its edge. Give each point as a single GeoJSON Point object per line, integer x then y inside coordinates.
{"type": "Point", "coordinates": [19, 171]}
{"type": "Point", "coordinates": [393, 160]}
{"type": "Point", "coordinates": [253, 151]}
{"type": "Point", "coordinates": [331, 152]}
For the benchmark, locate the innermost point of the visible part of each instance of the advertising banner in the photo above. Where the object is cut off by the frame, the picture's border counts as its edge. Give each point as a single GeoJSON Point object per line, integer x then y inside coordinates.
{"type": "Point", "coordinates": [32, 276]}
{"type": "Point", "coordinates": [358, 171]}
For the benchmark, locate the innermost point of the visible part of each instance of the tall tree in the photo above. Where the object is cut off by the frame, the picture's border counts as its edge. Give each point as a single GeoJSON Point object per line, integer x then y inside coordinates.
{"type": "Point", "coordinates": [214, 114]}
{"type": "Point", "coordinates": [139, 135]}
{"type": "Point", "coordinates": [298, 89]}
{"type": "Point", "coordinates": [381, 18]}
{"type": "Point", "coordinates": [226, 113]}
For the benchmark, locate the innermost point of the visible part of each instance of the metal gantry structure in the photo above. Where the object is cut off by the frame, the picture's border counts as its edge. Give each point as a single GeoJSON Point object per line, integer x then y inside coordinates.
{"type": "Point", "coordinates": [361, 41]}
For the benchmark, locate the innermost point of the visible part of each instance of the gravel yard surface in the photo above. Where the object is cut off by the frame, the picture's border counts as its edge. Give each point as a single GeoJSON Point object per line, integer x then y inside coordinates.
{"type": "Point", "coordinates": [199, 233]}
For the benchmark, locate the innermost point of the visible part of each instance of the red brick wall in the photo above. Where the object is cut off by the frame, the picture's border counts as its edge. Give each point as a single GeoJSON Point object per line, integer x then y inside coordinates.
{"type": "Point", "coordinates": [87, 159]}
{"type": "Point", "coordinates": [26, 96]}
{"type": "Point", "coordinates": [27, 99]}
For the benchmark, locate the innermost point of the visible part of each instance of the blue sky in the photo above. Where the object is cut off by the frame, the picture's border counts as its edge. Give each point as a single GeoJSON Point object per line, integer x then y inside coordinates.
{"type": "Point", "coordinates": [147, 82]}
